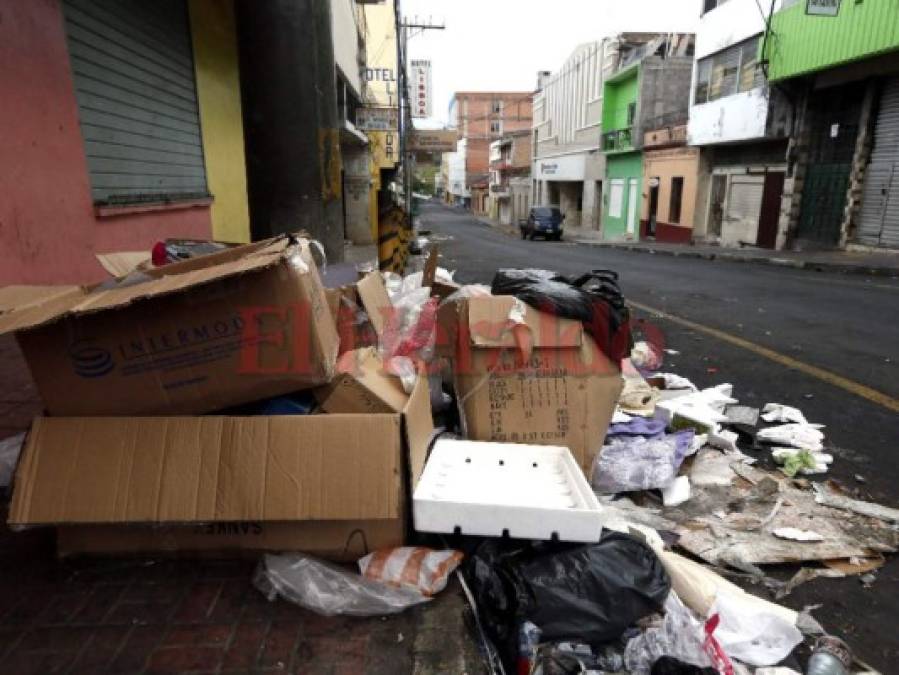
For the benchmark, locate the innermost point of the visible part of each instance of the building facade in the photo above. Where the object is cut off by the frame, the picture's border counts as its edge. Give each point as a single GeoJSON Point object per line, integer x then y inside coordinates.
{"type": "Point", "coordinates": [481, 118]}
{"type": "Point", "coordinates": [510, 177]}
{"type": "Point", "coordinates": [741, 125]}
{"type": "Point", "coordinates": [568, 167]}
{"type": "Point", "coordinates": [839, 62]}
{"type": "Point", "coordinates": [648, 93]}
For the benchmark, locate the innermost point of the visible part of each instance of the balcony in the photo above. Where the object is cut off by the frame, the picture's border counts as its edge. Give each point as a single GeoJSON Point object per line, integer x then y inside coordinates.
{"type": "Point", "coordinates": [620, 140]}
{"type": "Point", "coordinates": [665, 136]}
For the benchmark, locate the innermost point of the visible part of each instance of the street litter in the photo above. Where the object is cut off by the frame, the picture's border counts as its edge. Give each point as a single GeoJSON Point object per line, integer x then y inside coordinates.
{"type": "Point", "coordinates": [328, 589]}
{"type": "Point", "coordinates": [804, 436]}
{"type": "Point", "coordinates": [776, 412]}
{"type": "Point", "coordinates": [797, 535]}
{"type": "Point", "coordinates": [488, 489]}
{"type": "Point", "coordinates": [10, 448]}
{"type": "Point", "coordinates": [414, 567]}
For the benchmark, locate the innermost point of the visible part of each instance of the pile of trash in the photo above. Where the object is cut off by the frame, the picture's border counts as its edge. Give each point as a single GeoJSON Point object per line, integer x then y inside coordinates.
{"type": "Point", "coordinates": [211, 398]}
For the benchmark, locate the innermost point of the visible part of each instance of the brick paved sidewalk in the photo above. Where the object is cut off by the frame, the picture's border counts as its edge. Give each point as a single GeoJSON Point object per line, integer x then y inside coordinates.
{"type": "Point", "coordinates": [142, 616]}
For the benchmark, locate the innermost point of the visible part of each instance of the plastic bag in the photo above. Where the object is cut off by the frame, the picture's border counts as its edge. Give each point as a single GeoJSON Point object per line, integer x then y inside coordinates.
{"type": "Point", "coordinates": [680, 635]}
{"type": "Point", "coordinates": [10, 448]}
{"type": "Point", "coordinates": [753, 636]}
{"type": "Point", "coordinates": [805, 436]}
{"type": "Point", "coordinates": [422, 569]}
{"type": "Point", "coordinates": [328, 589]}
{"type": "Point", "coordinates": [633, 463]}
{"type": "Point", "coordinates": [594, 299]}
{"type": "Point", "coordinates": [588, 594]}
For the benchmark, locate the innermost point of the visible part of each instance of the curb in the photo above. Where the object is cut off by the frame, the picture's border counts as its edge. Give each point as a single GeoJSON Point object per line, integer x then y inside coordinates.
{"type": "Point", "coordinates": [841, 268]}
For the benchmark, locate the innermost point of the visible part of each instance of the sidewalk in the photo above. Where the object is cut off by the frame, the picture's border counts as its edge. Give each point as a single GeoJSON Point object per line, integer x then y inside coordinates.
{"type": "Point", "coordinates": [884, 264]}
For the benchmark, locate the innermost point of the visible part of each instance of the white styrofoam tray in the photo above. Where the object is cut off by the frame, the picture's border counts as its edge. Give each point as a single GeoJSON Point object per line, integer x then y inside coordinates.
{"type": "Point", "coordinates": [495, 489]}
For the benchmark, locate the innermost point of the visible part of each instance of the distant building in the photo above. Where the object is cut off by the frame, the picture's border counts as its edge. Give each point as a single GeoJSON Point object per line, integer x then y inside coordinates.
{"type": "Point", "coordinates": [647, 96]}
{"type": "Point", "coordinates": [481, 118]}
{"type": "Point", "coordinates": [838, 62]}
{"type": "Point", "coordinates": [510, 177]}
{"type": "Point", "coordinates": [741, 125]}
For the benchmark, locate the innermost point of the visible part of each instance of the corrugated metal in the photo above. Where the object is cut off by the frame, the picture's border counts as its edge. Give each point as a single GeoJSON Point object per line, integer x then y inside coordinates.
{"type": "Point", "coordinates": [802, 44]}
{"type": "Point", "coordinates": [879, 222]}
{"type": "Point", "coordinates": [132, 65]}
{"type": "Point", "coordinates": [745, 199]}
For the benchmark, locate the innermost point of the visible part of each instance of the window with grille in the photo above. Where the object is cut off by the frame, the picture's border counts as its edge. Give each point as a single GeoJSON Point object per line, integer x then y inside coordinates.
{"type": "Point", "coordinates": [496, 127]}
{"type": "Point", "coordinates": [730, 71]}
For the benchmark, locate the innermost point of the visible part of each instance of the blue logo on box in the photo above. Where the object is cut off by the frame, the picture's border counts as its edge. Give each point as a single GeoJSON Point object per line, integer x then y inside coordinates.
{"type": "Point", "coordinates": [89, 360]}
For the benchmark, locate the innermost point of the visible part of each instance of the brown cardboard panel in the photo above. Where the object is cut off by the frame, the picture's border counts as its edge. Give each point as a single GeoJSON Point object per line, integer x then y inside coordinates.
{"type": "Point", "coordinates": [245, 337]}
{"type": "Point", "coordinates": [121, 263]}
{"type": "Point", "coordinates": [419, 427]}
{"type": "Point", "coordinates": [16, 297]}
{"type": "Point", "coordinates": [363, 386]}
{"type": "Point", "coordinates": [338, 540]}
{"type": "Point", "coordinates": [209, 469]}
{"type": "Point", "coordinates": [489, 325]}
{"type": "Point", "coordinates": [166, 280]}
{"type": "Point", "coordinates": [561, 392]}
{"type": "Point", "coordinates": [373, 295]}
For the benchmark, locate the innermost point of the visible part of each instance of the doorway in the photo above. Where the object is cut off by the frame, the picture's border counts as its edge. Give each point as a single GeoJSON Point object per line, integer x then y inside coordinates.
{"type": "Point", "coordinates": [716, 204]}
{"type": "Point", "coordinates": [653, 207]}
{"type": "Point", "coordinates": [632, 193]}
{"type": "Point", "coordinates": [769, 216]}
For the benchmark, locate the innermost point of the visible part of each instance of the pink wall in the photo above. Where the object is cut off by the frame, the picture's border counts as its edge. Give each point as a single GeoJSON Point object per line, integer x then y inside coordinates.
{"type": "Point", "coordinates": [48, 230]}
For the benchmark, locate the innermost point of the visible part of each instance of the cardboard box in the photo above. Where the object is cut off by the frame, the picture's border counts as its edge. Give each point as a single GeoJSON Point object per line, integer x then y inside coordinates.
{"type": "Point", "coordinates": [362, 386]}
{"type": "Point", "coordinates": [538, 379]}
{"type": "Point", "coordinates": [156, 484]}
{"type": "Point", "coordinates": [195, 336]}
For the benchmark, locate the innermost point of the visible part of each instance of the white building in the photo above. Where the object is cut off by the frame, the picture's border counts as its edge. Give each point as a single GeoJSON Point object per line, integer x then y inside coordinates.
{"type": "Point", "coordinates": [742, 127]}
{"type": "Point", "coordinates": [569, 167]}
{"type": "Point", "coordinates": [456, 191]}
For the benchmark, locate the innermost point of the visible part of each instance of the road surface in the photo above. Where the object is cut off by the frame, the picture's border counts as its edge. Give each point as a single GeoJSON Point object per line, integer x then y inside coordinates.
{"type": "Point", "coordinates": [823, 342]}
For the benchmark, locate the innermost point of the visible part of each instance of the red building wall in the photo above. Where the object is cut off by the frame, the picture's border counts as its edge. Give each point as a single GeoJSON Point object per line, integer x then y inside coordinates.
{"type": "Point", "coordinates": [48, 230]}
{"type": "Point", "coordinates": [475, 111]}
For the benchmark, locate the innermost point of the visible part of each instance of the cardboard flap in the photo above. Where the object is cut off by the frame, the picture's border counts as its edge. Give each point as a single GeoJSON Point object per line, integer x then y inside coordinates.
{"type": "Point", "coordinates": [419, 427]}
{"type": "Point", "coordinates": [490, 324]}
{"type": "Point", "coordinates": [81, 470]}
{"type": "Point", "coordinates": [363, 386]}
{"type": "Point", "coordinates": [16, 297]}
{"type": "Point", "coordinates": [373, 294]}
{"type": "Point", "coordinates": [160, 281]}
{"type": "Point", "coordinates": [120, 263]}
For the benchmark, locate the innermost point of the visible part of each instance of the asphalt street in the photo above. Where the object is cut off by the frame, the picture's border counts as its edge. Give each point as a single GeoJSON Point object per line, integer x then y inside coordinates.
{"type": "Point", "coordinates": [824, 324]}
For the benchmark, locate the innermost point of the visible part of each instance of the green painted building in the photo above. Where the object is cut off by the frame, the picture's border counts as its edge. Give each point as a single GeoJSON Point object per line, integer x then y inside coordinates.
{"type": "Point", "coordinates": [624, 161]}
{"type": "Point", "coordinates": [808, 36]}
{"type": "Point", "coordinates": [839, 62]}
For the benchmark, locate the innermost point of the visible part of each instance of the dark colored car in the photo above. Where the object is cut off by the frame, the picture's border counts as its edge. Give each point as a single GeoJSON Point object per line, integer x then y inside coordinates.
{"type": "Point", "coordinates": [543, 221]}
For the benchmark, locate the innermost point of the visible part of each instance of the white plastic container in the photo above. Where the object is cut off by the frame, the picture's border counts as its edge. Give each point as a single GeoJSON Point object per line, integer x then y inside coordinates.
{"type": "Point", "coordinates": [495, 489]}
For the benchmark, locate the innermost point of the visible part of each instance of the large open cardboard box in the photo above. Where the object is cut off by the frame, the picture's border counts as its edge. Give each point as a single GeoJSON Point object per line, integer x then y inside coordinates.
{"type": "Point", "coordinates": [191, 337]}
{"type": "Point", "coordinates": [540, 379]}
{"type": "Point", "coordinates": [332, 485]}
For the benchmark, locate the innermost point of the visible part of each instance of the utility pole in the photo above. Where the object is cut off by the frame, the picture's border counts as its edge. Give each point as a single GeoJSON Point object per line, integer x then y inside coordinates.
{"type": "Point", "coordinates": [404, 107]}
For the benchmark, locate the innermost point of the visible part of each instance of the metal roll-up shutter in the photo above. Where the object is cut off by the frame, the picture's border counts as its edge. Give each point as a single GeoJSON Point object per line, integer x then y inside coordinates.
{"type": "Point", "coordinates": [745, 200]}
{"type": "Point", "coordinates": [879, 221]}
{"type": "Point", "coordinates": [132, 64]}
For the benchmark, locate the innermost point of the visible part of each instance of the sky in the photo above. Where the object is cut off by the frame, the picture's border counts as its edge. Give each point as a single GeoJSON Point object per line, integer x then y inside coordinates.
{"type": "Point", "coordinates": [499, 45]}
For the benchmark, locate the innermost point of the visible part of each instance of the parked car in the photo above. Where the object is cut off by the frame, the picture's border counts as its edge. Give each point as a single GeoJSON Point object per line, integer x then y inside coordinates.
{"type": "Point", "coordinates": [544, 221]}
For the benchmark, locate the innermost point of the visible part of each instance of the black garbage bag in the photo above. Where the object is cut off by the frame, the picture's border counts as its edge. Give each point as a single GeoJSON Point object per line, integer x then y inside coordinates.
{"type": "Point", "coordinates": [594, 299]}
{"type": "Point", "coordinates": [587, 593]}
{"type": "Point", "coordinates": [668, 665]}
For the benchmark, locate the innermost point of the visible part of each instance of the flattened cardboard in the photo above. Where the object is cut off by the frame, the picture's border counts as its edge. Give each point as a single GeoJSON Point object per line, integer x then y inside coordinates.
{"type": "Point", "coordinates": [223, 484]}
{"type": "Point", "coordinates": [563, 391]}
{"type": "Point", "coordinates": [362, 386]}
{"type": "Point", "coordinates": [200, 335]}
{"type": "Point", "coordinates": [13, 297]}
{"type": "Point", "coordinates": [337, 540]}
